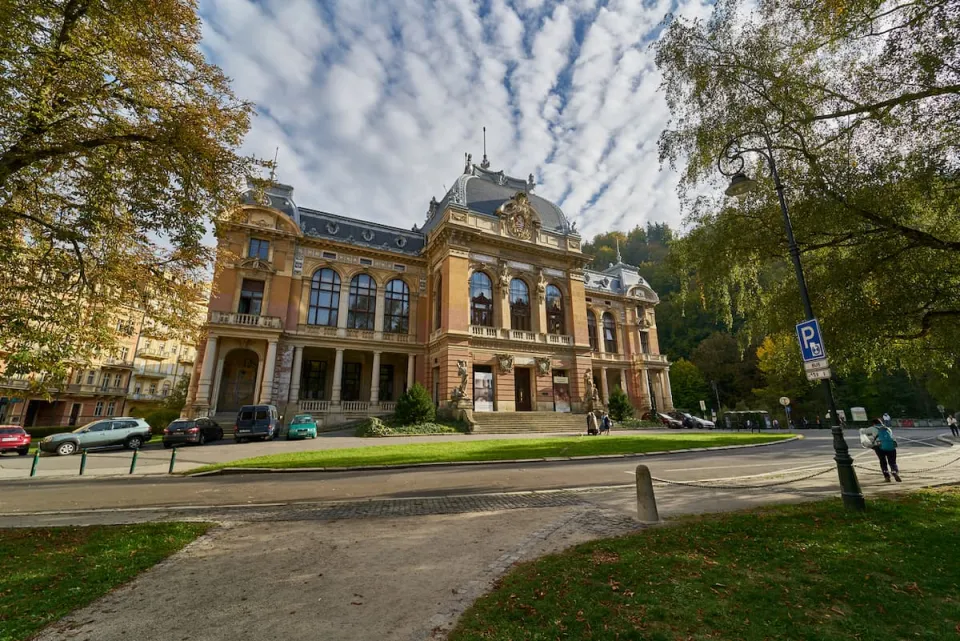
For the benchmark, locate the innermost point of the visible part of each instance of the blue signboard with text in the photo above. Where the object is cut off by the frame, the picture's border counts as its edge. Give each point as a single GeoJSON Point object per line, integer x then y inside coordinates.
{"type": "Point", "coordinates": [811, 344]}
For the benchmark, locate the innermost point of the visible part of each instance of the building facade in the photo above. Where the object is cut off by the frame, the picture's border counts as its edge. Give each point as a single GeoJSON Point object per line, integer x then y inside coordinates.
{"type": "Point", "coordinates": [144, 370]}
{"type": "Point", "coordinates": [488, 305]}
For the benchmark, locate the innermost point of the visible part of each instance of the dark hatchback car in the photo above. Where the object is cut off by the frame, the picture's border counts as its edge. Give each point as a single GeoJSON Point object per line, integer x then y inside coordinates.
{"type": "Point", "coordinates": [261, 422]}
{"type": "Point", "coordinates": [199, 431]}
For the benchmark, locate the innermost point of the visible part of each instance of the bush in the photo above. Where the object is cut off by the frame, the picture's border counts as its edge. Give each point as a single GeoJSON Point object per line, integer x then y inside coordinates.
{"type": "Point", "coordinates": [620, 407]}
{"type": "Point", "coordinates": [414, 406]}
{"type": "Point", "coordinates": [159, 419]}
{"type": "Point", "coordinates": [373, 426]}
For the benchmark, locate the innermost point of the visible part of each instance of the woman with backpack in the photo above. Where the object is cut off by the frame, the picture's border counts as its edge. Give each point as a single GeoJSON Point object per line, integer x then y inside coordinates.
{"type": "Point", "coordinates": [879, 437]}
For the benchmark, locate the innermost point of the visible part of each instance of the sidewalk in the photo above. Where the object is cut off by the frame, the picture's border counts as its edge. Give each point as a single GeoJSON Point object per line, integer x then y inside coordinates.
{"type": "Point", "coordinates": [398, 569]}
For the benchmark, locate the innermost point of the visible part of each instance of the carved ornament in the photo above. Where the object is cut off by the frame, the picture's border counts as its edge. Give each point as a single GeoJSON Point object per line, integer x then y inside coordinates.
{"type": "Point", "coordinates": [519, 217]}
{"type": "Point", "coordinates": [543, 366]}
{"type": "Point", "coordinates": [505, 363]}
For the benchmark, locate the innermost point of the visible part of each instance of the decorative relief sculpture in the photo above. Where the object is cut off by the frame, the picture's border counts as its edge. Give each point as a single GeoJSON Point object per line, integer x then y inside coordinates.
{"type": "Point", "coordinates": [504, 277]}
{"type": "Point", "coordinates": [542, 287]}
{"type": "Point", "coordinates": [505, 363]}
{"type": "Point", "coordinates": [519, 216]}
{"type": "Point", "coordinates": [367, 234]}
{"type": "Point", "coordinates": [333, 228]}
{"type": "Point", "coordinates": [401, 241]}
{"type": "Point", "coordinates": [256, 264]}
{"type": "Point", "coordinates": [543, 366]}
{"type": "Point", "coordinates": [460, 392]}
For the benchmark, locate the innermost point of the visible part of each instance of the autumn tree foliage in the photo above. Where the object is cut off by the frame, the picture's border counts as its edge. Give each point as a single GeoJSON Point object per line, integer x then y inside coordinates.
{"type": "Point", "coordinates": [118, 151]}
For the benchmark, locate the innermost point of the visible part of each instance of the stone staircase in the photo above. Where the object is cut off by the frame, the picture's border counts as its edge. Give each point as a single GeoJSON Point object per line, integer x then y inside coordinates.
{"type": "Point", "coordinates": [528, 422]}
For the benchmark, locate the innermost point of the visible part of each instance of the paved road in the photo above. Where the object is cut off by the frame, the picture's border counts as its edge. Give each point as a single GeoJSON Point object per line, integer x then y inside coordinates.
{"type": "Point", "coordinates": [793, 459]}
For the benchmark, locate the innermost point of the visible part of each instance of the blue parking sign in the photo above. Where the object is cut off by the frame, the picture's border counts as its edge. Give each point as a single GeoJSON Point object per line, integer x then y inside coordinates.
{"type": "Point", "coordinates": [811, 345]}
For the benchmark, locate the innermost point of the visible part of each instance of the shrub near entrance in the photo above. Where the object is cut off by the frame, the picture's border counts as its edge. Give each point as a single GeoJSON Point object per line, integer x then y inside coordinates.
{"type": "Point", "coordinates": [620, 407]}
{"type": "Point", "coordinates": [414, 406]}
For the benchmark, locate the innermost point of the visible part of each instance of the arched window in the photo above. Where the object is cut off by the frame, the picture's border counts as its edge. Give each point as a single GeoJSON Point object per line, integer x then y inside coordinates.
{"type": "Point", "coordinates": [324, 298]}
{"type": "Point", "coordinates": [481, 300]}
{"type": "Point", "coordinates": [592, 331]}
{"type": "Point", "coordinates": [396, 311]}
{"type": "Point", "coordinates": [519, 305]}
{"type": "Point", "coordinates": [609, 333]}
{"type": "Point", "coordinates": [555, 323]}
{"type": "Point", "coordinates": [363, 302]}
{"type": "Point", "coordinates": [437, 302]}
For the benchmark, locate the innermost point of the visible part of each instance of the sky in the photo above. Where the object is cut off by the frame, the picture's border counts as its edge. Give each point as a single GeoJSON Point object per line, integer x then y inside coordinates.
{"type": "Point", "coordinates": [373, 103]}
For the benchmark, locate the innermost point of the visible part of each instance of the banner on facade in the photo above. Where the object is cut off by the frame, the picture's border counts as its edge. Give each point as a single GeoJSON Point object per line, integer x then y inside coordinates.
{"type": "Point", "coordinates": [483, 391]}
{"type": "Point", "coordinates": [561, 394]}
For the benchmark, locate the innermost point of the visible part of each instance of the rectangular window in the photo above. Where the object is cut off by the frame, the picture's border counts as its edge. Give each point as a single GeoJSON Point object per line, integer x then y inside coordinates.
{"type": "Point", "coordinates": [251, 297]}
{"type": "Point", "coordinates": [124, 353]}
{"type": "Point", "coordinates": [399, 267]}
{"type": "Point", "coordinates": [645, 342]}
{"type": "Point", "coordinates": [386, 382]}
{"type": "Point", "coordinates": [259, 249]}
{"type": "Point", "coordinates": [98, 410]}
{"type": "Point", "coordinates": [350, 386]}
{"type": "Point", "coordinates": [110, 408]}
{"type": "Point", "coordinates": [153, 388]}
{"type": "Point", "coordinates": [118, 380]}
{"type": "Point", "coordinates": [313, 381]}
{"type": "Point", "coordinates": [366, 261]}
{"type": "Point", "coordinates": [329, 255]}
{"type": "Point", "coordinates": [91, 377]}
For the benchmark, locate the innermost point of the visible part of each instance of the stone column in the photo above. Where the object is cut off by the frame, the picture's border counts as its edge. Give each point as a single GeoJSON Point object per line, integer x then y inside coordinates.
{"type": "Point", "coordinates": [624, 384]}
{"type": "Point", "coordinates": [601, 343]}
{"type": "Point", "coordinates": [343, 307]}
{"type": "Point", "coordinates": [206, 371]}
{"type": "Point", "coordinates": [541, 313]}
{"type": "Point", "coordinates": [266, 389]}
{"type": "Point", "coordinates": [217, 381]}
{"type": "Point", "coordinates": [378, 312]}
{"type": "Point", "coordinates": [603, 385]}
{"type": "Point", "coordinates": [645, 382]}
{"type": "Point", "coordinates": [667, 392]}
{"type": "Point", "coordinates": [337, 376]}
{"type": "Point", "coordinates": [295, 374]}
{"type": "Point", "coordinates": [411, 360]}
{"type": "Point", "coordinates": [375, 379]}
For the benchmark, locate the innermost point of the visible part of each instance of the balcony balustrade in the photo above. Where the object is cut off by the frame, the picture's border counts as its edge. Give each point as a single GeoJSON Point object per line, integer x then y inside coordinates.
{"type": "Point", "coordinates": [245, 320]}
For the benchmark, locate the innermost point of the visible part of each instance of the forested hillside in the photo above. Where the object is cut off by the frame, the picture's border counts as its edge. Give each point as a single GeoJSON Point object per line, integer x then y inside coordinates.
{"type": "Point", "coordinates": [712, 356]}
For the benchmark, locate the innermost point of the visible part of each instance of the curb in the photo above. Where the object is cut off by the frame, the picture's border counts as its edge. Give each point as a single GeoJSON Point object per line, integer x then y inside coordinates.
{"type": "Point", "coordinates": [406, 466]}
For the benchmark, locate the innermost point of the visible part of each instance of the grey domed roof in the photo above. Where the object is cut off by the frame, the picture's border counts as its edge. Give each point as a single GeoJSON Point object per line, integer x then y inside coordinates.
{"type": "Point", "coordinates": [482, 191]}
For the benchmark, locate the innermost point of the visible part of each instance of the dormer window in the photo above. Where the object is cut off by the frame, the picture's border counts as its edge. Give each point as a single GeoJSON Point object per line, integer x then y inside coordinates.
{"type": "Point", "coordinates": [259, 248]}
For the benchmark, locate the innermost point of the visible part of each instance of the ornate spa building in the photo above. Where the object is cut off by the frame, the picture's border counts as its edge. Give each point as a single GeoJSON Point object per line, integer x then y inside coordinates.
{"type": "Point", "coordinates": [489, 304]}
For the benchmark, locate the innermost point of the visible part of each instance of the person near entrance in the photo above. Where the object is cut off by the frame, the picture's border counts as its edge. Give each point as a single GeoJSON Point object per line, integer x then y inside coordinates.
{"type": "Point", "coordinates": [592, 429]}
{"type": "Point", "coordinates": [605, 423]}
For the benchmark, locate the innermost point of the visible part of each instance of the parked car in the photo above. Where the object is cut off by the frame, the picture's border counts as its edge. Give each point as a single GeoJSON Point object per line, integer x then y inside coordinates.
{"type": "Point", "coordinates": [693, 422]}
{"type": "Point", "coordinates": [668, 421]}
{"type": "Point", "coordinates": [14, 437]}
{"type": "Point", "coordinates": [127, 431]}
{"type": "Point", "coordinates": [261, 422]}
{"type": "Point", "coordinates": [199, 431]}
{"type": "Point", "coordinates": [302, 426]}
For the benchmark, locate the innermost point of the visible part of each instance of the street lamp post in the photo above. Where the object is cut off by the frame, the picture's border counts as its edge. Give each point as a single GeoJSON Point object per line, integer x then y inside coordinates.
{"type": "Point", "coordinates": [740, 185]}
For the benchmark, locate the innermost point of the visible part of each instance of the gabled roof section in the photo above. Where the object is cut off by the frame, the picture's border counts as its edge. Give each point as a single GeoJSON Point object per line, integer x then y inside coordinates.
{"type": "Point", "coordinates": [482, 191]}
{"type": "Point", "coordinates": [320, 224]}
{"type": "Point", "coordinates": [620, 279]}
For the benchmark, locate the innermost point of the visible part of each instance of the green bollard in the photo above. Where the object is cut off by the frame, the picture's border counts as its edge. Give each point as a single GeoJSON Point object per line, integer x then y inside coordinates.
{"type": "Point", "coordinates": [83, 461]}
{"type": "Point", "coordinates": [36, 461]}
{"type": "Point", "coordinates": [133, 461]}
{"type": "Point", "coordinates": [173, 460]}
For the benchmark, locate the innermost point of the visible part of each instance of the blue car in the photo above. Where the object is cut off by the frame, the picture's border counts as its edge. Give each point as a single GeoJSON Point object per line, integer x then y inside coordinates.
{"type": "Point", "coordinates": [302, 426]}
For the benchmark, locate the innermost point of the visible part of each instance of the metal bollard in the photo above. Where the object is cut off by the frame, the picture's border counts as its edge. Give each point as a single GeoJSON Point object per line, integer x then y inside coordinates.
{"type": "Point", "coordinates": [36, 461]}
{"type": "Point", "coordinates": [173, 460]}
{"type": "Point", "coordinates": [133, 461]}
{"type": "Point", "coordinates": [646, 501]}
{"type": "Point", "coordinates": [83, 461]}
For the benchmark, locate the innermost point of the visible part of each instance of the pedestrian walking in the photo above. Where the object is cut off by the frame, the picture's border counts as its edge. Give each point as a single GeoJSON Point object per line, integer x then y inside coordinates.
{"type": "Point", "coordinates": [776, 424]}
{"type": "Point", "coordinates": [605, 424]}
{"type": "Point", "coordinates": [804, 424]}
{"type": "Point", "coordinates": [952, 423]}
{"type": "Point", "coordinates": [879, 438]}
{"type": "Point", "coordinates": [592, 429]}
{"type": "Point", "coordinates": [886, 419]}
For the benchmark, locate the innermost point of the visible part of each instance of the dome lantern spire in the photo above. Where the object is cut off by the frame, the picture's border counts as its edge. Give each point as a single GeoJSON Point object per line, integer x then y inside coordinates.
{"type": "Point", "coordinates": [485, 164]}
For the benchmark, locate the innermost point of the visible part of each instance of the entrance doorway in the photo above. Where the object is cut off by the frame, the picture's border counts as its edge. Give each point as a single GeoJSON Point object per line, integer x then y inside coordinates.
{"type": "Point", "coordinates": [239, 380]}
{"type": "Point", "coordinates": [521, 384]}
{"type": "Point", "coordinates": [74, 413]}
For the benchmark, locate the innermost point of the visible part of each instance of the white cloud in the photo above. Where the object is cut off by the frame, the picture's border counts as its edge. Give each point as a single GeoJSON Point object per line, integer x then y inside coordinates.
{"type": "Point", "coordinates": [373, 104]}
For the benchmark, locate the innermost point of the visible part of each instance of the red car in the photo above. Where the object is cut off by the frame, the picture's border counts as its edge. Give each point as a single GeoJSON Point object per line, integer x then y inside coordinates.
{"type": "Point", "coordinates": [13, 437]}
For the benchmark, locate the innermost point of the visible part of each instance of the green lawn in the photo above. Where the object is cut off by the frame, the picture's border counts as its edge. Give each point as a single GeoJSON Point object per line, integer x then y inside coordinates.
{"type": "Point", "coordinates": [804, 572]}
{"type": "Point", "coordinates": [48, 572]}
{"type": "Point", "coordinates": [494, 450]}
